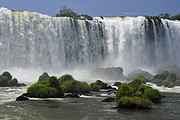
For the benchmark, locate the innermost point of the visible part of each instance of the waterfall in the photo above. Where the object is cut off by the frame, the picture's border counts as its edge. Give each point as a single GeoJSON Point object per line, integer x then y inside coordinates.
{"type": "Point", "coordinates": [33, 40]}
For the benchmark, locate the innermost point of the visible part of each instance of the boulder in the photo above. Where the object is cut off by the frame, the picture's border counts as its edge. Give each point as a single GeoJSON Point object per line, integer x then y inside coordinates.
{"type": "Point", "coordinates": [114, 73]}
{"type": "Point", "coordinates": [139, 73]}
{"type": "Point", "coordinates": [22, 98]}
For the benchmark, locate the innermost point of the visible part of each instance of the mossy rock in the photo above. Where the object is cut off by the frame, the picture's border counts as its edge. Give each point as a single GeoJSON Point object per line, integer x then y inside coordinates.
{"type": "Point", "coordinates": [43, 77]}
{"type": "Point", "coordinates": [95, 88]}
{"type": "Point", "coordinates": [134, 103]}
{"type": "Point", "coordinates": [3, 81]}
{"type": "Point", "coordinates": [168, 83]}
{"type": "Point", "coordinates": [70, 85]}
{"type": "Point", "coordinates": [7, 81]}
{"type": "Point", "coordinates": [13, 82]}
{"type": "Point", "coordinates": [100, 84]}
{"type": "Point", "coordinates": [137, 95]}
{"type": "Point", "coordinates": [46, 89]}
{"type": "Point", "coordinates": [124, 90]}
{"type": "Point", "coordinates": [7, 74]}
{"type": "Point", "coordinates": [140, 73]}
{"type": "Point", "coordinates": [153, 95]}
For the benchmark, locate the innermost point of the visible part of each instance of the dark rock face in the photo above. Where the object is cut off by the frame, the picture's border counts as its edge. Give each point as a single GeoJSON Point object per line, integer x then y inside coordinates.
{"type": "Point", "coordinates": [114, 73]}
{"type": "Point", "coordinates": [117, 84]}
{"type": "Point", "coordinates": [109, 99]}
{"type": "Point", "coordinates": [22, 98]}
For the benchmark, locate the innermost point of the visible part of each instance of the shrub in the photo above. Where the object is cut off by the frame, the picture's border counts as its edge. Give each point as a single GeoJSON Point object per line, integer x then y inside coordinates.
{"type": "Point", "coordinates": [124, 90]}
{"type": "Point", "coordinates": [43, 77]}
{"type": "Point", "coordinates": [153, 95]}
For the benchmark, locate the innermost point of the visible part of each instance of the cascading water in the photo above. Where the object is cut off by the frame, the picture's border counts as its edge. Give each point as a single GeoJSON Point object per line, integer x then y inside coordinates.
{"type": "Point", "coordinates": [32, 40]}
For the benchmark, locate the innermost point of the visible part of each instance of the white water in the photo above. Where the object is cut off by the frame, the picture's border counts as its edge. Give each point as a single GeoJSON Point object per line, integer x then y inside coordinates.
{"type": "Point", "coordinates": [31, 43]}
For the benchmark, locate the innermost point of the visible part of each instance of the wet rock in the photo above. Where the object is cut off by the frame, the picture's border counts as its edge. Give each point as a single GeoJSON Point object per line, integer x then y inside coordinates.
{"type": "Point", "coordinates": [22, 98]}
{"type": "Point", "coordinates": [73, 95]}
{"type": "Point", "coordinates": [117, 84]}
{"type": "Point", "coordinates": [109, 99]}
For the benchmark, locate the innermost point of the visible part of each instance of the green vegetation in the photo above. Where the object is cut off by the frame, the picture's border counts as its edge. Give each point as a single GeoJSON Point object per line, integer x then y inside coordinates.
{"type": "Point", "coordinates": [168, 16]}
{"type": "Point", "coordinates": [96, 86]}
{"type": "Point", "coordinates": [70, 85]}
{"type": "Point", "coordinates": [134, 102]}
{"type": "Point", "coordinates": [164, 16]}
{"type": "Point", "coordinates": [67, 12]}
{"type": "Point", "coordinates": [6, 80]}
{"type": "Point", "coordinates": [55, 88]}
{"type": "Point", "coordinates": [46, 89]}
{"type": "Point", "coordinates": [137, 95]}
{"type": "Point", "coordinates": [166, 79]}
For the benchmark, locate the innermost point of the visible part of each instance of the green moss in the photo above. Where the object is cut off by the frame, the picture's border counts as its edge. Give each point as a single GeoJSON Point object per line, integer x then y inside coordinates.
{"type": "Point", "coordinates": [167, 83]}
{"type": "Point", "coordinates": [42, 91]}
{"type": "Point", "coordinates": [13, 82]}
{"type": "Point", "coordinates": [134, 102]}
{"type": "Point", "coordinates": [73, 86]}
{"type": "Point", "coordinates": [64, 78]}
{"type": "Point", "coordinates": [7, 74]}
{"type": "Point", "coordinates": [70, 85]}
{"type": "Point", "coordinates": [100, 84]}
{"type": "Point", "coordinates": [3, 81]}
{"type": "Point", "coordinates": [153, 95]}
{"type": "Point", "coordinates": [137, 95]}
{"type": "Point", "coordinates": [46, 89]}
{"type": "Point", "coordinates": [95, 88]}
{"type": "Point", "coordinates": [124, 90]}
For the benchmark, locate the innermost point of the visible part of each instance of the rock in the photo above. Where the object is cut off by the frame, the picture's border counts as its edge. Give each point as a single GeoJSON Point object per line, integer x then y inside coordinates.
{"type": "Point", "coordinates": [117, 84]}
{"type": "Point", "coordinates": [114, 73]}
{"type": "Point", "coordinates": [22, 98]}
{"type": "Point", "coordinates": [139, 73]}
{"type": "Point", "coordinates": [73, 95]}
{"type": "Point", "coordinates": [109, 99]}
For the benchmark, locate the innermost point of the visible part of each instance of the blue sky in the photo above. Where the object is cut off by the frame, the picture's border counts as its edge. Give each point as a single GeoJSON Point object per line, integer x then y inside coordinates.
{"type": "Point", "coordinates": [97, 7]}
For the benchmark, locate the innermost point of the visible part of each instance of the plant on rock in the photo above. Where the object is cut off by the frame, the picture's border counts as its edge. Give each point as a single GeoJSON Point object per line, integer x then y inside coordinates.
{"type": "Point", "coordinates": [137, 95]}
{"type": "Point", "coordinates": [70, 85]}
{"type": "Point", "coordinates": [6, 80]}
{"type": "Point", "coordinates": [46, 89]}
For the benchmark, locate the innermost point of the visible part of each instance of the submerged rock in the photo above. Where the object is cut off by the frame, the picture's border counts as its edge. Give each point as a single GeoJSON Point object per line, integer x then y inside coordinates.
{"type": "Point", "coordinates": [22, 98]}
{"type": "Point", "coordinates": [109, 99]}
{"type": "Point", "coordinates": [73, 95]}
